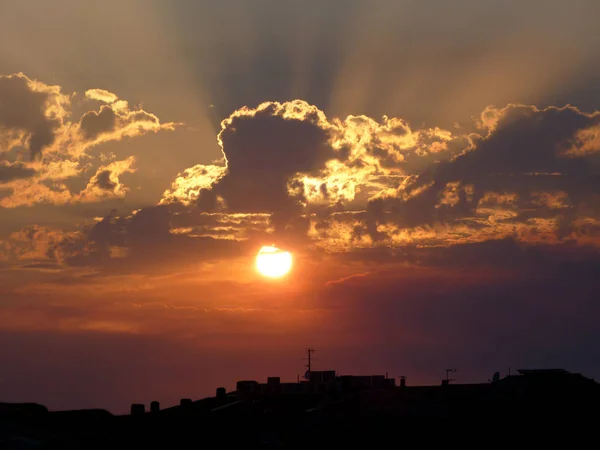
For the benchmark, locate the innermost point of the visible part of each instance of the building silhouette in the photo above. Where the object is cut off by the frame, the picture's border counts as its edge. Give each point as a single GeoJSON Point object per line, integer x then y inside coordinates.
{"type": "Point", "coordinates": [327, 410]}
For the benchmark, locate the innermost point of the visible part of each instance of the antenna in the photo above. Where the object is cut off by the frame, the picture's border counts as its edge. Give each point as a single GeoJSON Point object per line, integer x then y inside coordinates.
{"type": "Point", "coordinates": [448, 380]}
{"type": "Point", "coordinates": [309, 352]}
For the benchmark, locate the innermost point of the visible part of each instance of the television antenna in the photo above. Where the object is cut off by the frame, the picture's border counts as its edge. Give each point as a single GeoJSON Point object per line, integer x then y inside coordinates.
{"type": "Point", "coordinates": [448, 380]}
{"type": "Point", "coordinates": [309, 352]}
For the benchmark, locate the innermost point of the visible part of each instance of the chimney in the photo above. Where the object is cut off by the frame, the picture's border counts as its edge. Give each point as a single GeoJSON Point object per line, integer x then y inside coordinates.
{"type": "Point", "coordinates": [221, 393]}
{"type": "Point", "coordinates": [402, 381]}
{"type": "Point", "coordinates": [154, 407]}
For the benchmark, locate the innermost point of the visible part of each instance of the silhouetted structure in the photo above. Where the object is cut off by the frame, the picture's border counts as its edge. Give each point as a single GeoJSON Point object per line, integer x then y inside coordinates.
{"type": "Point", "coordinates": [328, 410]}
{"type": "Point", "coordinates": [21, 410]}
{"type": "Point", "coordinates": [137, 408]}
{"type": "Point", "coordinates": [447, 380]}
{"type": "Point", "coordinates": [221, 393]}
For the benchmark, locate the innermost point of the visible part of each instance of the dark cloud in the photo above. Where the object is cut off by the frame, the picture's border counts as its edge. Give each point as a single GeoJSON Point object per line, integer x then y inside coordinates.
{"type": "Point", "coordinates": [23, 108]}
{"type": "Point", "coordinates": [527, 173]}
{"type": "Point", "coordinates": [533, 155]}
{"type": "Point", "coordinates": [36, 245]}
{"type": "Point", "coordinates": [95, 123]}
{"type": "Point", "coordinates": [264, 148]}
{"type": "Point", "coordinates": [38, 117]}
{"type": "Point", "coordinates": [14, 171]}
{"type": "Point", "coordinates": [42, 266]}
{"type": "Point", "coordinates": [523, 142]}
{"type": "Point", "coordinates": [103, 180]}
{"type": "Point", "coordinates": [148, 241]}
{"type": "Point", "coordinates": [150, 229]}
{"type": "Point", "coordinates": [109, 231]}
{"type": "Point", "coordinates": [263, 151]}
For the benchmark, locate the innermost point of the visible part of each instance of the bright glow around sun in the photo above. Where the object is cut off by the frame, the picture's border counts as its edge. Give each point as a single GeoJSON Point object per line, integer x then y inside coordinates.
{"type": "Point", "coordinates": [273, 263]}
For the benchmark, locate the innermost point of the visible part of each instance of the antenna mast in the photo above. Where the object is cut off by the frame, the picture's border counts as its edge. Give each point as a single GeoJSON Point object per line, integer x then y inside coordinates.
{"type": "Point", "coordinates": [448, 380]}
{"type": "Point", "coordinates": [309, 352]}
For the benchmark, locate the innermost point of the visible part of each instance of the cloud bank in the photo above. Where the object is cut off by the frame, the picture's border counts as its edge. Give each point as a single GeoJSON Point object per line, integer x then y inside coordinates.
{"type": "Point", "coordinates": [44, 148]}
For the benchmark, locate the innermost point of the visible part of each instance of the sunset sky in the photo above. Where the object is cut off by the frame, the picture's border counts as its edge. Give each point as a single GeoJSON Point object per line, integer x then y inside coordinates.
{"type": "Point", "coordinates": [432, 166]}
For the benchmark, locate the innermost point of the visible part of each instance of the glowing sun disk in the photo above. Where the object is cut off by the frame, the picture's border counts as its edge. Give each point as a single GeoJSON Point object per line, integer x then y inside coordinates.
{"type": "Point", "coordinates": [273, 263]}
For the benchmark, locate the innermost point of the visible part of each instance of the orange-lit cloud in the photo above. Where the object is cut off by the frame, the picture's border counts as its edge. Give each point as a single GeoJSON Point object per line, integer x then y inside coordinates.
{"type": "Point", "coordinates": [38, 245]}
{"type": "Point", "coordinates": [106, 183]}
{"type": "Point", "coordinates": [187, 187]}
{"type": "Point", "coordinates": [319, 161]}
{"type": "Point", "coordinates": [32, 113]}
{"type": "Point", "coordinates": [341, 183]}
{"type": "Point", "coordinates": [38, 119]}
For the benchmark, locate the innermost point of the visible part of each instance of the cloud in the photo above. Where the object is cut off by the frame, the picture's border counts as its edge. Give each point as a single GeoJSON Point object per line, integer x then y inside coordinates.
{"type": "Point", "coordinates": [187, 188]}
{"type": "Point", "coordinates": [12, 171]}
{"type": "Point", "coordinates": [31, 192]}
{"type": "Point", "coordinates": [221, 225]}
{"type": "Point", "coordinates": [31, 113]}
{"type": "Point", "coordinates": [157, 238]}
{"type": "Point", "coordinates": [39, 118]}
{"type": "Point", "coordinates": [105, 183]}
{"type": "Point", "coordinates": [264, 148]}
{"type": "Point", "coordinates": [101, 95]}
{"type": "Point", "coordinates": [585, 142]}
{"type": "Point", "coordinates": [347, 279]}
{"type": "Point", "coordinates": [95, 123]}
{"type": "Point", "coordinates": [377, 153]}
{"type": "Point", "coordinates": [525, 173]}
{"type": "Point", "coordinates": [521, 177]}
{"type": "Point", "coordinates": [45, 188]}
{"type": "Point", "coordinates": [112, 123]}
{"type": "Point", "coordinates": [283, 158]}
{"type": "Point", "coordinates": [291, 173]}
{"type": "Point", "coordinates": [36, 244]}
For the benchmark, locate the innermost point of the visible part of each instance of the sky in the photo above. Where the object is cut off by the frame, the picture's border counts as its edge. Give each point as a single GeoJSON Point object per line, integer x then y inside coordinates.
{"type": "Point", "coordinates": [433, 167]}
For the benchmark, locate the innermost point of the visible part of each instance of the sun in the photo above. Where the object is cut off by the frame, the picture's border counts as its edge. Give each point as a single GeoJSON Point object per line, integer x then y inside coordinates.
{"type": "Point", "coordinates": [273, 262]}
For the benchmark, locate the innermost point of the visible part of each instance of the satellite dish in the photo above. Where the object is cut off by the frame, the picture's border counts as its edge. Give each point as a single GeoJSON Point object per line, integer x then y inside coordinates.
{"type": "Point", "coordinates": [307, 375]}
{"type": "Point", "coordinates": [496, 377]}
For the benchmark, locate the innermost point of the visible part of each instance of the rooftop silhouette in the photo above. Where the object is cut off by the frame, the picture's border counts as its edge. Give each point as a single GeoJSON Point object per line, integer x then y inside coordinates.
{"type": "Point", "coordinates": [325, 407]}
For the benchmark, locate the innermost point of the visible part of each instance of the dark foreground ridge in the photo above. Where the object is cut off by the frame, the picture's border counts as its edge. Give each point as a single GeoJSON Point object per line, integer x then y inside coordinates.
{"type": "Point", "coordinates": [329, 411]}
